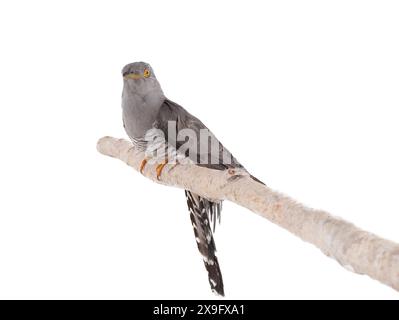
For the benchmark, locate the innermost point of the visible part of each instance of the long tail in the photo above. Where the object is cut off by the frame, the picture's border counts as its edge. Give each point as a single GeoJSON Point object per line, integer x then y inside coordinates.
{"type": "Point", "coordinates": [201, 210]}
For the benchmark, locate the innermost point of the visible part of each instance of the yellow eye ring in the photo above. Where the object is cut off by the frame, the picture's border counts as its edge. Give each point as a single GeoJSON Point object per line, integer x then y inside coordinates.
{"type": "Point", "coordinates": [146, 73]}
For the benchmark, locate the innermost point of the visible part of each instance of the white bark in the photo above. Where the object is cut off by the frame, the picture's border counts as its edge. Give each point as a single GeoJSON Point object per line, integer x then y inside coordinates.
{"type": "Point", "coordinates": [357, 250]}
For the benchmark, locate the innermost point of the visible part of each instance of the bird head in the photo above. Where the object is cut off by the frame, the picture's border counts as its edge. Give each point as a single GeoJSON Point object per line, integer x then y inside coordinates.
{"type": "Point", "coordinates": [140, 78]}
{"type": "Point", "coordinates": [138, 70]}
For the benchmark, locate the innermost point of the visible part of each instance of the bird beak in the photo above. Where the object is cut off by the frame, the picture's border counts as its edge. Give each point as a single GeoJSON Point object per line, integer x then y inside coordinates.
{"type": "Point", "coordinates": [132, 76]}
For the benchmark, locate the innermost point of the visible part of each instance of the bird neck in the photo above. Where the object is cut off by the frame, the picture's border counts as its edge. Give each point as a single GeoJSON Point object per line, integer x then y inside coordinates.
{"type": "Point", "coordinates": [140, 111]}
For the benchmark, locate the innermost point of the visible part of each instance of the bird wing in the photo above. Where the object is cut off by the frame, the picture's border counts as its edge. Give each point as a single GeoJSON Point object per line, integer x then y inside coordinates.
{"type": "Point", "coordinates": [201, 152]}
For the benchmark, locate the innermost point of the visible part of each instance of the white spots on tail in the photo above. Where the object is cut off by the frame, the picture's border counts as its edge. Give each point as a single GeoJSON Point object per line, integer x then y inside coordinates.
{"type": "Point", "coordinates": [208, 260]}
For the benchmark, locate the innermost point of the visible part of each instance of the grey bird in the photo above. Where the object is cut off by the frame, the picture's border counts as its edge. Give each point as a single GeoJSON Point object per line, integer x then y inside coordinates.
{"type": "Point", "coordinates": [145, 109]}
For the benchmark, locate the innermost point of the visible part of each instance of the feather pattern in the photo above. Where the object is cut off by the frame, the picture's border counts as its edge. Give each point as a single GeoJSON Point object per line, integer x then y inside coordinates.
{"type": "Point", "coordinates": [200, 209]}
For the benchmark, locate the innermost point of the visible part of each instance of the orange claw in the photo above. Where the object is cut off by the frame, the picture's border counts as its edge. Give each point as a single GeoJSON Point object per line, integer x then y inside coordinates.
{"type": "Point", "coordinates": [142, 165]}
{"type": "Point", "coordinates": [160, 168]}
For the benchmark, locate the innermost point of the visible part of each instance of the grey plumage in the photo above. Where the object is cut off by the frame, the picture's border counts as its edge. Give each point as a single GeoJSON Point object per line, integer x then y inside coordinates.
{"type": "Point", "coordinates": [146, 108]}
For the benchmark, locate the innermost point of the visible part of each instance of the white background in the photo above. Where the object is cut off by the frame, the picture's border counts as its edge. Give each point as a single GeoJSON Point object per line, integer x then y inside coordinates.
{"type": "Point", "coordinates": [305, 94]}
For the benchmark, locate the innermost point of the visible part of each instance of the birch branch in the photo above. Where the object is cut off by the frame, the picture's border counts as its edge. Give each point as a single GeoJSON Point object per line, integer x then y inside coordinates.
{"type": "Point", "coordinates": [355, 249]}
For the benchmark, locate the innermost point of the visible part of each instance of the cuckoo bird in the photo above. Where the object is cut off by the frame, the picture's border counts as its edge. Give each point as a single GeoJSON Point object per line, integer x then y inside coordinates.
{"type": "Point", "coordinates": [154, 124]}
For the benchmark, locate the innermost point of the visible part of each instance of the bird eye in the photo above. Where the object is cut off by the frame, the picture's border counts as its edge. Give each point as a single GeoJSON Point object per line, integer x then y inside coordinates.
{"type": "Point", "coordinates": [146, 73]}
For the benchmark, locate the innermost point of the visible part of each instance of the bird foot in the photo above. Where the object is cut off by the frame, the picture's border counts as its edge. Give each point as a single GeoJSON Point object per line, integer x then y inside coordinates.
{"type": "Point", "coordinates": [142, 165]}
{"type": "Point", "coordinates": [160, 168]}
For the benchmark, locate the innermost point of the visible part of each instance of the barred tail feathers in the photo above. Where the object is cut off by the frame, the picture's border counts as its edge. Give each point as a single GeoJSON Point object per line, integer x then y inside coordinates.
{"type": "Point", "coordinates": [201, 211]}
